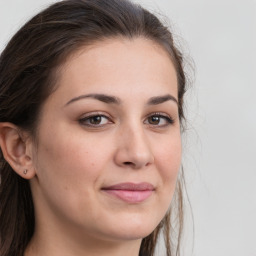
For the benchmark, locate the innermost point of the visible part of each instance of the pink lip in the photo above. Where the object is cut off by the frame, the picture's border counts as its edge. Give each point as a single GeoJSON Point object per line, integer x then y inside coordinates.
{"type": "Point", "coordinates": [130, 192]}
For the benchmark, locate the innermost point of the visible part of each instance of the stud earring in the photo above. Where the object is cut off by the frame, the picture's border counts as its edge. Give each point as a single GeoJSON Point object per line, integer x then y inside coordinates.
{"type": "Point", "coordinates": [25, 171]}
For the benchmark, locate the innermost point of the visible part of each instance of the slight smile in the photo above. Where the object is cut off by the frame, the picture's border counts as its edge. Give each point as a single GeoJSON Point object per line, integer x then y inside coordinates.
{"type": "Point", "coordinates": [130, 192]}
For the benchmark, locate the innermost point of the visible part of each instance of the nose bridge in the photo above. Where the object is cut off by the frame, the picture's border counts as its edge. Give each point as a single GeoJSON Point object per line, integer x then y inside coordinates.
{"type": "Point", "coordinates": [136, 140]}
{"type": "Point", "coordinates": [134, 147]}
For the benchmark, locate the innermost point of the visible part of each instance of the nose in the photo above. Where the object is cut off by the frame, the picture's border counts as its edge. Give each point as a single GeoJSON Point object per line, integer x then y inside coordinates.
{"type": "Point", "coordinates": [133, 149]}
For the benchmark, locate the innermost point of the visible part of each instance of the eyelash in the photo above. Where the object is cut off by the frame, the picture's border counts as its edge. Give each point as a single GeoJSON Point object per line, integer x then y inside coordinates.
{"type": "Point", "coordinates": [90, 117]}
{"type": "Point", "coordinates": [167, 119]}
{"type": "Point", "coordinates": [86, 120]}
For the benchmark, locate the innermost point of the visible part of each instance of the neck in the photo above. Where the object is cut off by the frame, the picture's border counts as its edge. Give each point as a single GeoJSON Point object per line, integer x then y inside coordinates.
{"type": "Point", "coordinates": [71, 244]}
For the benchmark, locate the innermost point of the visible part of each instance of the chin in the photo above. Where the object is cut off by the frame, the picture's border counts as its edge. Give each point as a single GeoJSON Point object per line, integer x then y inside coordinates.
{"type": "Point", "coordinates": [133, 229]}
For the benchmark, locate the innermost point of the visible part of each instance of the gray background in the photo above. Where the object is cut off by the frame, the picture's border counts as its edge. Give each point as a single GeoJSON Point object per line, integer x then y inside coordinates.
{"type": "Point", "coordinates": [219, 147]}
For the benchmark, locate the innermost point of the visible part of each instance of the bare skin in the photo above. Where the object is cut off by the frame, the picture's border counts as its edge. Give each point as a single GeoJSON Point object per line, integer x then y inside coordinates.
{"type": "Point", "coordinates": [112, 120]}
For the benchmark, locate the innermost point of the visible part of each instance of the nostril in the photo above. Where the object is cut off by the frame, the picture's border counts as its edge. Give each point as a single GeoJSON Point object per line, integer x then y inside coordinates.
{"type": "Point", "coordinates": [128, 163]}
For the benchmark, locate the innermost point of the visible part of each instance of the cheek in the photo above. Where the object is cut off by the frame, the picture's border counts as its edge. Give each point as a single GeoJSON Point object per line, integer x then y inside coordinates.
{"type": "Point", "coordinates": [168, 160]}
{"type": "Point", "coordinates": [67, 173]}
{"type": "Point", "coordinates": [69, 159]}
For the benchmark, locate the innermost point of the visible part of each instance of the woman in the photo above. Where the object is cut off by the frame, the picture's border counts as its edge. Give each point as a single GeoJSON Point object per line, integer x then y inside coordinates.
{"type": "Point", "coordinates": [91, 110]}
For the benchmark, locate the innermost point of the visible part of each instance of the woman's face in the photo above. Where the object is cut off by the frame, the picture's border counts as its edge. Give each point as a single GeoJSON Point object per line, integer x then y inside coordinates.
{"type": "Point", "coordinates": [108, 145]}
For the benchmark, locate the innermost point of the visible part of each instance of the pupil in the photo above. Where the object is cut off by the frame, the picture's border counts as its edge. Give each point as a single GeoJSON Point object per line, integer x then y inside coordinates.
{"type": "Point", "coordinates": [95, 120]}
{"type": "Point", "coordinates": [154, 120]}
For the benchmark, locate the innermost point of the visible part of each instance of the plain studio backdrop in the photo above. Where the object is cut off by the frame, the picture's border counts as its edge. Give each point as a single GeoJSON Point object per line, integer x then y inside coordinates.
{"type": "Point", "coordinates": [220, 146]}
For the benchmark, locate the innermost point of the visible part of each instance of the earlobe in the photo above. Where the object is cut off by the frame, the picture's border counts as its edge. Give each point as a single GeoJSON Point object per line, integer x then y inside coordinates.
{"type": "Point", "coordinates": [15, 150]}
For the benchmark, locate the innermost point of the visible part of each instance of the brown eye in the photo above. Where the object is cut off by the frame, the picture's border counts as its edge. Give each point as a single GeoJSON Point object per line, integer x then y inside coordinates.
{"type": "Point", "coordinates": [155, 120]}
{"type": "Point", "coordinates": [95, 120]}
{"type": "Point", "coordinates": [159, 120]}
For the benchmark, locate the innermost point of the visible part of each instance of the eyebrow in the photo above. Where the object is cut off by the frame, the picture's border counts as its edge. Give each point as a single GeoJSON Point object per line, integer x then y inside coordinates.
{"type": "Point", "coordinates": [161, 99]}
{"type": "Point", "coordinates": [115, 100]}
{"type": "Point", "coordinates": [101, 97]}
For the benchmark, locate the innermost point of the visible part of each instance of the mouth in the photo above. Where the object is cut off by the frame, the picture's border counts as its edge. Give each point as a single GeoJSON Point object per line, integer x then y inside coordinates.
{"type": "Point", "coordinates": [130, 192]}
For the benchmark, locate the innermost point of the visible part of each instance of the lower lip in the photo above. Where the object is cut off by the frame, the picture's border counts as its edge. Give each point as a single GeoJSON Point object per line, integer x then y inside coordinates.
{"type": "Point", "coordinates": [130, 196]}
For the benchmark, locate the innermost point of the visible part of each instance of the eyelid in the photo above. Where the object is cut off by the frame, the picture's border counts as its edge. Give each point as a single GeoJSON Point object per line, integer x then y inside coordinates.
{"type": "Point", "coordinates": [159, 114]}
{"type": "Point", "coordinates": [93, 113]}
{"type": "Point", "coordinates": [87, 116]}
{"type": "Point", "coordinates": [167, 117]}
{"type": "Point", "coordinates": [168, 120]}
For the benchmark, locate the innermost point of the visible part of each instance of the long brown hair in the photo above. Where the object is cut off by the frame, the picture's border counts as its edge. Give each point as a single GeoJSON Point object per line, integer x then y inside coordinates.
{"type": "Point", "coordinates": [28, 72]}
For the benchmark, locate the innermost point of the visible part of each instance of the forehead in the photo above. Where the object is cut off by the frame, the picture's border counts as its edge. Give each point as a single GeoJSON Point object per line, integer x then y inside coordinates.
{"type": "Point", "coordinates": [119, 65]}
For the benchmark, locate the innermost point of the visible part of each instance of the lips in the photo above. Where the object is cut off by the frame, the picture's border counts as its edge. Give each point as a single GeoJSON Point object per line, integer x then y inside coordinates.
{"type": "Point", "coordinates": [130, 192]}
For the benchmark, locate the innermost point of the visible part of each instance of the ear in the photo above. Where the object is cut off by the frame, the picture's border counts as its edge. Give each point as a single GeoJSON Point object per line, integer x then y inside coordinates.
{"type": "Point", "coordinates": [17, 150]}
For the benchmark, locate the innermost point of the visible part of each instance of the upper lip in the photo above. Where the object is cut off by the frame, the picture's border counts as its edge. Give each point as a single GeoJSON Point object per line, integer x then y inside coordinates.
{"type": "Point", "coordinates": [143, 186]}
